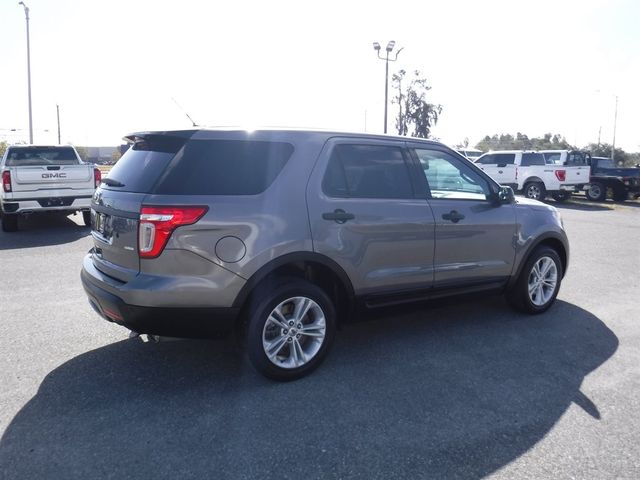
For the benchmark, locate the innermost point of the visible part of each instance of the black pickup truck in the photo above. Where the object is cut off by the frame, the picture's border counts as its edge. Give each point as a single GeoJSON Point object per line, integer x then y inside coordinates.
{"type": "Point", "coordinates": [605, 175]}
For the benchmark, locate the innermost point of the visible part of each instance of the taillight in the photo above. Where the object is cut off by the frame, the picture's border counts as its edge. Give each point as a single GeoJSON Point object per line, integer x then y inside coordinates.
{"type": "Point", "coordinates": [157, 224]}
{"type": "Point", "coordinates": [6, 181]}
{"type": "Point", "coordinates": [561, 175]}
{"type": "Point", "coordinates": [97, 177]}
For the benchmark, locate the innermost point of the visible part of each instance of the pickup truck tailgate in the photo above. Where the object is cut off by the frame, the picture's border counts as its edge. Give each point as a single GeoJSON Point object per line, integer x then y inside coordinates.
{"type": "Point", "coordinates": [41, 177]}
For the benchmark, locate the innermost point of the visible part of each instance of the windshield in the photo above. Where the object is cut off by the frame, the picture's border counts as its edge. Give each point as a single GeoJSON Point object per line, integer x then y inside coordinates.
{"type": "Point", "coordinates": [42, 156]}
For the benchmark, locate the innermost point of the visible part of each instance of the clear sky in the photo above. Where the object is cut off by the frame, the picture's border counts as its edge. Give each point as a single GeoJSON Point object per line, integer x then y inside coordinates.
{"type": "Point", "coordinates": [495, 66]}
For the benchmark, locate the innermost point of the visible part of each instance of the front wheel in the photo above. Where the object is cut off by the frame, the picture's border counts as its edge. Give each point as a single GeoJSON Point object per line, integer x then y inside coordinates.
{"type": "Point", "coordinates": [539, 282]}
{"type": "Point", "coordinates": [290, 329]}
{"type": "Point", "coordinates": [535, 191]}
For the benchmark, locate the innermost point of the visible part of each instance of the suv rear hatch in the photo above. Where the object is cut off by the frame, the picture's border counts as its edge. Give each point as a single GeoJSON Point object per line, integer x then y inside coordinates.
{"type": "Point", "coordinates": [116, 204]}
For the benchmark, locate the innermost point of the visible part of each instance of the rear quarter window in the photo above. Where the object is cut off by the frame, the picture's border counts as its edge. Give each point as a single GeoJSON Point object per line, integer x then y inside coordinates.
{"type": "Point", "coordinates": [224, 167]}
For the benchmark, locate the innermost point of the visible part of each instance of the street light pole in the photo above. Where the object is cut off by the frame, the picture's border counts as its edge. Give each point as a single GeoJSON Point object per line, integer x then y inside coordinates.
{"type": "Point", "coordinates": [58, 115]}
{"type": "Point", "coordinates": [26, 14]}
{"type": "Point", "coordinates": [615, 120]}
{"type": "Point", "coordinates": [389, 49]}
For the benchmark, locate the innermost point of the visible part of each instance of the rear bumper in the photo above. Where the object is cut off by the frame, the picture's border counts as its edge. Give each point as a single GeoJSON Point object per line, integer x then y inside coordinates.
{"type": "Point", "coordinates": [194, 322]}
{"type": "Point", "coordinates": [46, 204]}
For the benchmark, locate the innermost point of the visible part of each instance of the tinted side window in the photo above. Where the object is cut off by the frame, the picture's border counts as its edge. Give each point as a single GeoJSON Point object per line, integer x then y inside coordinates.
{"type": "Point", "coordinates": [141, 165]}
{"type": "Point", "coordinates": [505, 158]}
{"type": "Point", "coordinates": [224, 167]}
{"type": "Point", "coordinates": [367, 171]}
{"type": "Point", "coordinates": [487, 159]}
{"type": "Point", "coordinates": [532, 159]}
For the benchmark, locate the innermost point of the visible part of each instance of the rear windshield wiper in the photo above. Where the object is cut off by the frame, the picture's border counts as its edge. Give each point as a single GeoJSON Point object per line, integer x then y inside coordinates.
{"type": "Point", "coordinates": [112, 183]}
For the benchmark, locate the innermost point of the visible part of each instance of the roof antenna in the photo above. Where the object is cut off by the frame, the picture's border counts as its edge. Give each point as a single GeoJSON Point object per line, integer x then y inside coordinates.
{"type": "Point", "coordinates": [185, 112]}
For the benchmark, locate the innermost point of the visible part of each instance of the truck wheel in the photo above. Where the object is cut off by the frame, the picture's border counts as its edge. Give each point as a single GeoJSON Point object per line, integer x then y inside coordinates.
{"type": "Point", "coordinates": [561, 196]}
{"type": "Point", "coordinates": [290, 327]}
{"type": "Point", "coordinates": [597, 192]}
{"type": "Point", "coordinates": [539, 282]}
{"type": "Point", "coordinates": [86, 217]}
{"type": "Point", "coordinates": [535, 191]}
{"type": "Point", "coordinates": [9, 222]}
{"type": "Point", "coordinates": [620, 195]}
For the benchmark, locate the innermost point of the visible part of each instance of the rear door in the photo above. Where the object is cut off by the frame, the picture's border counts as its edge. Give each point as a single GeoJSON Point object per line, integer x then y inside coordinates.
{"type": "Point", "coordinates": [366, 215]}
{"type": "Point", "coordinates": [116, 203]}
{"type": "Point", "coordinates": [499, 166]}
{"type": "Point", "coordinates": [474, 236]}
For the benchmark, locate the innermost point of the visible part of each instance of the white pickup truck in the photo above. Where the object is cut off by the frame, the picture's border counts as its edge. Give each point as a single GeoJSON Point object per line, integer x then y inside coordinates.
{"type": "Point", "coordinates": [528, 173]}
{"type": "Point", "coordinates": [45, 179]}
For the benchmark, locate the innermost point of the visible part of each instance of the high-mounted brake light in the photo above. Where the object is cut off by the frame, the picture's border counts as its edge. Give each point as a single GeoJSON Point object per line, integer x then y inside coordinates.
{"type": "Point", "coordinates": [158, 223]}
{"type": "Point", "coordinates": [97, 177]}
{"type": "Point", "coordinates": [561, 175]}
{"type": "Point", "coordinates": [6, 181]}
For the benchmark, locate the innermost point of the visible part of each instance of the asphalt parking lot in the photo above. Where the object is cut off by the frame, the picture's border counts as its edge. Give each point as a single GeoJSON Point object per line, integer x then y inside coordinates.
{"type": "Point", "coordinates": [450, 390]}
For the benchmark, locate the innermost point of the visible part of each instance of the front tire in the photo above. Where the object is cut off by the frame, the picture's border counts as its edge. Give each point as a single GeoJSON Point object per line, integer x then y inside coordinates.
{"type": "Point", "coordinates": [535, 191]}
{"type": "Point", "coordinates": [539, 282]}
{"type": "Point", "coordinates": [9, 222]}
{"type": "Point", "coordinates": [290, 328]}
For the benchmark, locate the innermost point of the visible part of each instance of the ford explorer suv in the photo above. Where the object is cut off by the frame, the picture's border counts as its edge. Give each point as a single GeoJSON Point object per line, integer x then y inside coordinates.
{"type": "Point", "coordinates": [531, 174]}
{"type": "Point", "coordinates": [281, 235]}
{"type": "Point", "coordinates": [49, 179]}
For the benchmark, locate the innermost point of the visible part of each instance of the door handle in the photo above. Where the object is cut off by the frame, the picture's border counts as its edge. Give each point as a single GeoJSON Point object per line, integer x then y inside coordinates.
{"type": "Point", "coordinates": [338, 216]}
{"type": "Point", "coordinates": [499, 171]}
{"type": "Point", "coordinates": [453, 216]}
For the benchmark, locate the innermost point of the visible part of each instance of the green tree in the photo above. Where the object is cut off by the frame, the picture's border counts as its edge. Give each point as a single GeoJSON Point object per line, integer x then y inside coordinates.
{"type": "Point", "coordinates": [521, 141]}
{"type": "Point", "coordinates": [416, 116]}
{"type": "Point", "coordinates": [3, 147]}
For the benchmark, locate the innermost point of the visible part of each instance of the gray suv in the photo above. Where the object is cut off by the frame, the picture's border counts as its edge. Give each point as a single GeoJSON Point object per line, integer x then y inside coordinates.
{"type": "Point", "coordinates": [282, 235]}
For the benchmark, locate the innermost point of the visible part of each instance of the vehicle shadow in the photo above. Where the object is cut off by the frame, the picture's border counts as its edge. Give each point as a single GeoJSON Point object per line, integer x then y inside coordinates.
{"type": "Point", "coordinates": [454, 391]}
{"type": "Point", "coordinates": [39, 230]}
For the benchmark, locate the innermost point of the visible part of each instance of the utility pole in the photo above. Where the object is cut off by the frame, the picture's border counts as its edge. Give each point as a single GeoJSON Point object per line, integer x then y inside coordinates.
{"type": "Point", "coordinates": [58, 114]}
{"type": "Point", "coordinates": [26, 14]}
{"type": "Point", "coordinates": [615, 120]}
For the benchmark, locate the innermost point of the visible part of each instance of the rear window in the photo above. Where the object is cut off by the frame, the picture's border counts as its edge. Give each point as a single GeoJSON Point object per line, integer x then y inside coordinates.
{"type": "Point", "coordinates": [140, 167]}
{"type": "Point", "coordinates": [224, 167]}
{"type": "Point", "coordinates": [23, 156]}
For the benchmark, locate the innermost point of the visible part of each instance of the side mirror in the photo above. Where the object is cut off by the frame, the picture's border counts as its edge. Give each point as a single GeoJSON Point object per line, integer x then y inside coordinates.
{"type": "Point", "coordinates": [504, 196]}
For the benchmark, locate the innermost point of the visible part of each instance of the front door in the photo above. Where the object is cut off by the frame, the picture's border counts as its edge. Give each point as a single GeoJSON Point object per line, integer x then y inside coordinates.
{"type": "Point", "coordinates": [474, 234]}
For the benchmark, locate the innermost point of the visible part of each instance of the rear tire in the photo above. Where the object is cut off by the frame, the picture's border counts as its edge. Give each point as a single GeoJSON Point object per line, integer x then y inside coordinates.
{"type": "Point", "coordinates": [597, 192]}
{"type": "Point", "coordinates": [86, 217]}
{"type": "Point", "coordinates": [539, 282]}
{"type": "Point", "coordinates": [9, 222]}
{"type": "Point", "coordinates": [290, 328]}
{"type": "Point", "coordinates": [535, 191]}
